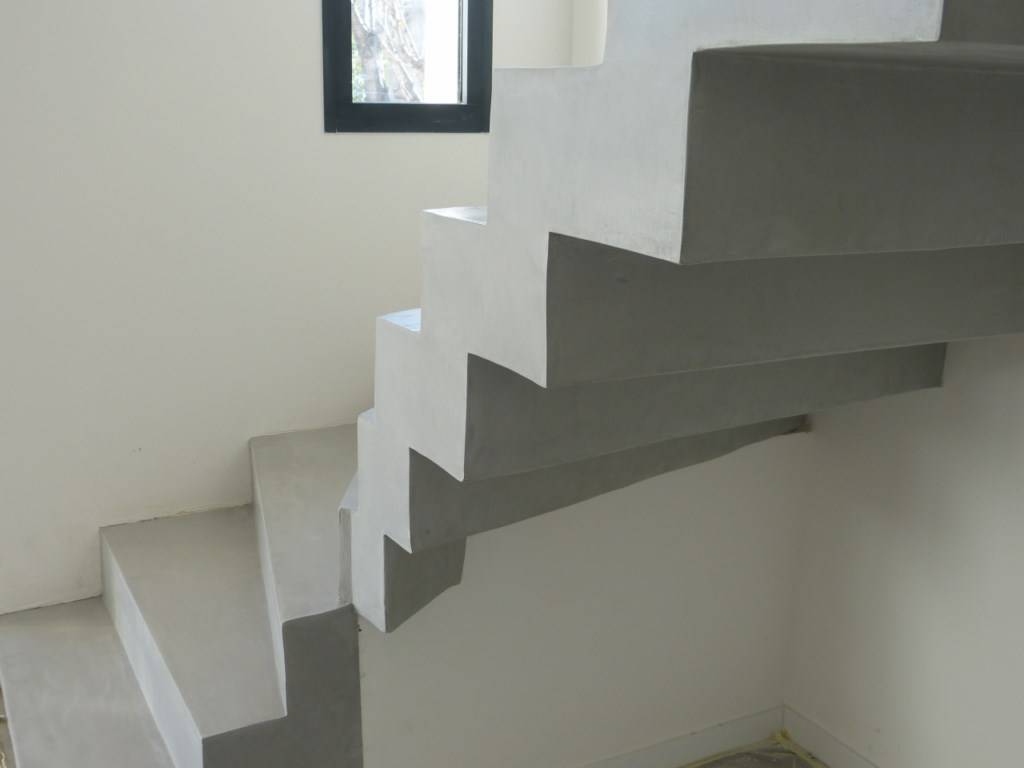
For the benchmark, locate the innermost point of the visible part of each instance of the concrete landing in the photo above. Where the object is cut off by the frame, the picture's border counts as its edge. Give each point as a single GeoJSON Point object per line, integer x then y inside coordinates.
{"type": "Point", "coordinates": [71, 695]}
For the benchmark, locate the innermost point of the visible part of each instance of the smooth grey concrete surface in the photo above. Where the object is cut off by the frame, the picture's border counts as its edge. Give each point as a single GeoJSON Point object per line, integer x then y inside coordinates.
{"type": "Point", "coordinates": [304, 541]}
{"type": "Point", "coordinates": [990, 21]}
{"type": "Point", "coordinates": [618, 315]}
{"type": "Point", "coordinates": [413, 581]}
{"type": "Point", "coordinates": [188, 602]}
{"type": "Point", "coordinates": [513, 425]}
{"type": "Point", "coordinates": [324, 723]}
{"type": "Point", "coordinates": [805, 150]}
{"type": "Point", "coordinates": [71, 696]}
{"type": "Point", "coordinates": [442, 509]}
{"type": "Point", "coordinates": [195, 586]}
{"type": "Point", "coordinates": [299, 478]}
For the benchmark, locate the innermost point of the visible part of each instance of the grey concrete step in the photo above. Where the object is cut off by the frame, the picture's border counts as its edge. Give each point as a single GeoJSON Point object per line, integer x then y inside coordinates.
{"type": "Point", "coordinates": [390, 585]}
{"type": "Point", "coordinates": [71, 696]}
{"type": "Point", "coordinates": [613, 314]}
{"type": "Point", "coordinates": [847, 149]}
{"type": "Point", "coordinates": [514, 425]}
{"type": "Point", "coordinates": [990, 21]}
{"type": "Point", "coordinates": [187, 597]}
{"type": "Point", "coordinates": [298, 481]}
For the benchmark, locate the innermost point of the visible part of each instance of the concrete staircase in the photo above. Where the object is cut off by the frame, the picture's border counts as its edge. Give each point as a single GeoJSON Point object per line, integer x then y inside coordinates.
{"type": "Point", "coordinates": [686, 251]}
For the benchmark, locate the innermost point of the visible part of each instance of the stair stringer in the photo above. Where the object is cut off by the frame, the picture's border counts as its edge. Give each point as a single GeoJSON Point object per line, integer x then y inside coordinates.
{"type": "Point", "coordinates": [321, 708]}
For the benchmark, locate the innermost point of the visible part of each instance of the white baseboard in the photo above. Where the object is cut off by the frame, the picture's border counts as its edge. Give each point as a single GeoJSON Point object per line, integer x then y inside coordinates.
{"type": "Point", "coordinates": [822, 744]}
{"type": "Point", "coordinates": [735, 734]}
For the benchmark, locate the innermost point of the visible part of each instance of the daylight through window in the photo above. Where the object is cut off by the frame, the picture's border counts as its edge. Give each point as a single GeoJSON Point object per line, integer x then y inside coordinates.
{"type": "Point", "coordinates": [408, 51]}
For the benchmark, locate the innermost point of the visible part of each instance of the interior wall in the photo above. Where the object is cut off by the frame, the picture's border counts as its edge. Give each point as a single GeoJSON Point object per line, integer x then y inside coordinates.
{"type": "Point", "coordinates": [187, 259]}
{"type": "Point", "coordinates": [909, 625]}
{"type": "Point", "coordinates": [639, 617]}
{"type": "Point", "coordinates": [590, 31]}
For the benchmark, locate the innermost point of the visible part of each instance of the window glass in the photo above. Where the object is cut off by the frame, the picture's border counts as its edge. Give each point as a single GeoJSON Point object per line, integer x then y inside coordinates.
{"type": "Point", "coordinates": [408, 51]}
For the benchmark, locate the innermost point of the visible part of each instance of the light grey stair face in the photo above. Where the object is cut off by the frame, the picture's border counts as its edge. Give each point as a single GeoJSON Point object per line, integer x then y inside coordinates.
{"type": "Point", "coordinates": [72, 699]}
{"type": "Point", "coordinates": [990, 21]}
{"type": "Point", "coordinates": [299, 479]}
{"type": "Point", "coordinates": [443, 509]}
{"type": "Point", "coordinates": [187, 597]}
{"type": "Point", "coordinates": [304, 541]}
{"type": "Point", "coordinates": [617, 315]}
{"type": "Point", "coordinates": [515, 426]}
{"type": "Point", "coordinates": [805, 150]}
{"type": "Point", "coordinates": [196, 581]}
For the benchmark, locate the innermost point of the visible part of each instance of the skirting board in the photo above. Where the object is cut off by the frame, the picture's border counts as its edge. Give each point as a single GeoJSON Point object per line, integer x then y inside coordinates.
{"type": "Point", "coordinates": [737, 734]}
{"type": "Point", "coordinates": [697, 746]}
{"type": "Point", "coordinates": [822, 744]}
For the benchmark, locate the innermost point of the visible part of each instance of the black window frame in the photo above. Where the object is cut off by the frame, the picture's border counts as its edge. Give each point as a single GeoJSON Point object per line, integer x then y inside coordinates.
{"type": "Point", "coordinates": [342, 115]}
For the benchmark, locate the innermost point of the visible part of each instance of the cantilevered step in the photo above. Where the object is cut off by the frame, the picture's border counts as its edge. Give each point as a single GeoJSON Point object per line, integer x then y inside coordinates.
{"type": "Point", "coordinates": [479, 420]}
{"type": "Point", "coordinates": [71, 697]}
{"type": "Point", "coordinates": [799, 150]}
{"type": "Point", "coordinates": [187, 597]}
{"type": "Point", "coordinates": [990, 21]}
{"type": "Point", "coordinates": [390, 585]}
{"type": "Point", "coordinates": [595, 313]}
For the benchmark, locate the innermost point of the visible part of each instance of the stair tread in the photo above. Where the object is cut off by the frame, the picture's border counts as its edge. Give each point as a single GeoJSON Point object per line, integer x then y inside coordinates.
{"type": "Point", "coordinates": [940, 55]}
{"type": "Point", "coordinates": [196, 581]}
{"type": "Point", "coordinates": [301, 478]}
{"type": "Point", "coordinates": [72, 698]}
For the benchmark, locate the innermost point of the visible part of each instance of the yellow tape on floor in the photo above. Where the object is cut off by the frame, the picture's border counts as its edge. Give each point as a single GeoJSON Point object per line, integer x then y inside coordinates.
{"type": "Point", "coordinates": [781, 739]}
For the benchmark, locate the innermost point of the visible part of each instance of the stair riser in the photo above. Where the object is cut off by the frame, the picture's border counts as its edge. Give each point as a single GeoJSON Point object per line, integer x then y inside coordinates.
{"type": "Point", "coordinates": [830, 159]}
{"type": "Point", "coordinates": [600, 152]}
{"type": "Point", "coordinates": [616, 315]}
{"type": "Point", "coordinates": [515, 426]}
{"type": "Point", "coordinates": [389, 585]}
{"type": "Point", "coordinates": [390, 588]}
{"type": "Point", "coordinates": [168, 707]}
{"type": "Point", "coordinates": [443, 509]}
{"type": "Point", "coordinates": [324, 723]}
{"type": "Point", "coordinates": [992, 21]}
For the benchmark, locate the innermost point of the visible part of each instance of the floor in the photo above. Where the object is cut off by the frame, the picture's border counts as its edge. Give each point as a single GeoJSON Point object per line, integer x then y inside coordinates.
{"type": "Point", "coordinates": [774, 754]}
{"type": "Point", "coordinates": [6, 756]}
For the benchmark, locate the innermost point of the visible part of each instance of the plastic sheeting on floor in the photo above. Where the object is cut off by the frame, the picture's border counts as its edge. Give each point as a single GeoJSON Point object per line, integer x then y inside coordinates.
{"type": "Point", "coordinates": [778, 753]}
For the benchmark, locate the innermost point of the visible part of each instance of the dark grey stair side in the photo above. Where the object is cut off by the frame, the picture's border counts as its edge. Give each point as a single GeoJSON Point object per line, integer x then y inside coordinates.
{"type": "Point", "coordinates": [613, 314]}
{"type": "Point", "coordinates": [514, 425]}
{"type": "Point", "coordinates": [443, 510]}
{"type": "Point", "coordinates": [187, 596]}
{"type": "Point", "coordinates": [802, 150]}
{"type": "Point", "coordinates": [72, 699]}
{"type": "Point", "coordinates": [990, 21]}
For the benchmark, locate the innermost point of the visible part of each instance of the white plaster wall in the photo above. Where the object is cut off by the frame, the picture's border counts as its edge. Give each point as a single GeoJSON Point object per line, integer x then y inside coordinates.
{"type": "Point", "coordinates": [590, 31]}
{"type": "Point", "coordinates": [186, 260]}
{"type": "Point", "coordinates": [910, 611]}
{"type": "Point", "coordinates": [611, 626]}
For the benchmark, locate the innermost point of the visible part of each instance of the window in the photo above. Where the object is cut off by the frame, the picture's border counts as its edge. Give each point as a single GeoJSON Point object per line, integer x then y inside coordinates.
{"type": "Point", "coordinates": [407, 65]}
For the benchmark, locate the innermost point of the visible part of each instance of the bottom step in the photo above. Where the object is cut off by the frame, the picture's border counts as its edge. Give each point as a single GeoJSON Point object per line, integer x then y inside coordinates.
{"type": "Point", "coordinates": [72, 699]}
